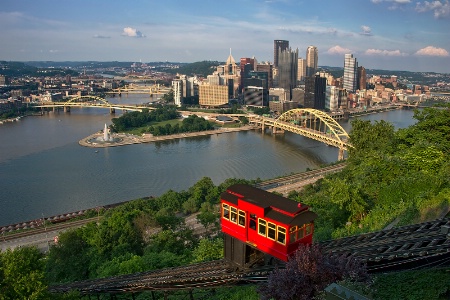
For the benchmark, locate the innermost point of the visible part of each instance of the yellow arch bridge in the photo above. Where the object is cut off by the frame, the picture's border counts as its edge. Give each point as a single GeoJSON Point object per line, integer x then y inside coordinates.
{"type": "Point", "coordinates": [91, 101]}
{"type": "Point", "coordinates": [308, 122]}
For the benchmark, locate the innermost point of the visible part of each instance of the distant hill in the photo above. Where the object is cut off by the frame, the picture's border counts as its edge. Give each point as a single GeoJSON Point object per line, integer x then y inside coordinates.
{"type": "Point", "coordinates": [201, 68]}
{"type": "Point", "coordinates": [426, 78]}
{"type": "Point", "coordinates": [17, 69]}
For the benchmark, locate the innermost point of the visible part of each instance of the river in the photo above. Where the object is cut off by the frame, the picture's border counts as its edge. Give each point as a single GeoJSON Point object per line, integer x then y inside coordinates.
{"type": "Point", "coordinates": [44, 172]}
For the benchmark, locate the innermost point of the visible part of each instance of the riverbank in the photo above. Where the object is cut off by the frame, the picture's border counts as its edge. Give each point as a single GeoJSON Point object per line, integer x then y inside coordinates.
{"type": "Point", "coordinates": [124, 139]}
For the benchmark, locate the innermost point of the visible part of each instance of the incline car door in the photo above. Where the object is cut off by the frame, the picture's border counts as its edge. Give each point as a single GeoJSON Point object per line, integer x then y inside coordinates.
{"type": "Point", "coordinates": [252, 233]}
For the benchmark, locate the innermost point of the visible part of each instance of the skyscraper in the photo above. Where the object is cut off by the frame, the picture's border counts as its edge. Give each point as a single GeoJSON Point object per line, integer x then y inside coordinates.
{"type": "Point", "coordinates": [301, 69]}
{"type": "Point", "coordinates": [278, 47]}
{"type": "Point", "coordinates": [287, 69]}
{"type": "Point", "coordinates": [361, 78]}
{"type": "Point", "coordinates": [350, 73]}
{"type": "Point", "coordinates": [312, 56]}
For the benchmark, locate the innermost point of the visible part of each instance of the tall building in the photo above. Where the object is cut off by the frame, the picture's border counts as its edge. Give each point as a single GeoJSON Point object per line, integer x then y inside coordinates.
{"type": "Point", "coordinates": [320, 89]}
{"type": "Point", "coordinates": [332, 98]}
{"type": "Point", "coordinates": [278, 47]}
{"type": "Point", "coordinates": [247, 64]}
{"type": "Point", "coordinates": [4, 80]}
{"type": "Point", "coordinates": [361, 78]}
{"type": "Point", "coordinates": [287, 69]}
{"type": "Point", "coordinates": [309, 92]}
{"type": "Point", "coordinates": [266, 67]}
{"type": "Point", "coordinates": [177, 86]}
{"type": "Point", "coordinates": [312, 57]}
{"type": "Point", "coordinates": [213, 95]}
{"type": "Point", "coordinates": [350, 73]}
{"type": "Point", "coordinates": [301, 69]}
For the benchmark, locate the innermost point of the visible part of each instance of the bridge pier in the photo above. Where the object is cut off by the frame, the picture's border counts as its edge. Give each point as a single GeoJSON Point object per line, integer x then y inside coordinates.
{"type": "Point", "coordinates": [66, 108]}
{"type": "Point", "coordinates": [341, 154]}
{"type": "Point", "coordinates": [112, 110]}
{"type": "Point", "coordinates": [276, 130]}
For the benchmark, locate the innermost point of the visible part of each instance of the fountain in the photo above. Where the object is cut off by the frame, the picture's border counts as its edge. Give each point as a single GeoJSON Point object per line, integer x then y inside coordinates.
{"type": "Point", "coordinates": [106, 138]}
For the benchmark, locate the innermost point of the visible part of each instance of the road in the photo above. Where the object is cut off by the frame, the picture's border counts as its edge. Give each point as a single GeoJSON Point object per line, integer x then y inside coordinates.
{"type": "Point", "coordinates": [42, 238]}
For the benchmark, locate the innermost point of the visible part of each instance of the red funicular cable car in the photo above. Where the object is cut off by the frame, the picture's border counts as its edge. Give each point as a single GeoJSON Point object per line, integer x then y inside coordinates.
{"type": "Point", "coordinates": [258, 224]}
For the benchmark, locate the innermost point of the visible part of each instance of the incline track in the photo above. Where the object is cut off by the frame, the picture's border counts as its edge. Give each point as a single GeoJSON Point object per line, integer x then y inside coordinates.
{"type": "Point", "coordinates": [383, 250]}
{"type": "Point", "coordinates": [388, 249]}
{"type": "Point", "coordinates": [202, 275]}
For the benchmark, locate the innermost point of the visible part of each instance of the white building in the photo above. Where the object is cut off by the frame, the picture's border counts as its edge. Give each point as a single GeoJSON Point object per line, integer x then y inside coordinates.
{"type": "Point", "coordinates": [350, 73]}
{"type": "Point", "coordinates": [332, 98]}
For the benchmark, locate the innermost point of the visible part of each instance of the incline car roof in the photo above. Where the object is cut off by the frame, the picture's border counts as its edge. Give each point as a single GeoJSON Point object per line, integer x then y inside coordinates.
{"type": "Point", "coordinates": [262, 198]}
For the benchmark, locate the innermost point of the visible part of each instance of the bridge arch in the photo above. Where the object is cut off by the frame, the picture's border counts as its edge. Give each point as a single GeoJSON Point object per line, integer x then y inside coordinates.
{"type": "Point", "coordinates": [327, 124]}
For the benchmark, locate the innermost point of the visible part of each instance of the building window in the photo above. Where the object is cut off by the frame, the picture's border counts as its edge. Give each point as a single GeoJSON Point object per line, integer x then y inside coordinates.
{"type": "Point", "coordinates": [233, 214]}
{"type": "Point", "coordinates": [281, 236]}
{"type": "Point", "coordinates": [262, 224]}
{"type": "Point", "coordinates": [241, 218]}
{"type": "Point", "coordinates": [271, 231]}
{"type": "Point", "coordinates": [225, 211]}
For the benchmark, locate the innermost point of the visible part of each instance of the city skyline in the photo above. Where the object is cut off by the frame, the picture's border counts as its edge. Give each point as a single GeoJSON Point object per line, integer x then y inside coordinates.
{"type": "Point", "coordinates": [383, 34]}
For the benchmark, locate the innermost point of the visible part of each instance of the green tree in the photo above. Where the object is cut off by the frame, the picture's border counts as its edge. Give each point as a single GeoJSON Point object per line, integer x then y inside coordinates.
{"type": "Point", "coordinates": [68, 260]}
{"type": "Point", "coordinates": [208, 215]}
{"type": "Point", "coordinates": [22, 274]}
{"type": "Point", "coordinates": [208, 249]}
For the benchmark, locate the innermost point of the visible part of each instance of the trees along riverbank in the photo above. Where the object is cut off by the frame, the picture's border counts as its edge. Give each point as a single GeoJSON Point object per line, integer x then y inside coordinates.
{"type": "Point", "coordinates": [164, 120]}
{"type": "Point", "coordinates": [403, 175]}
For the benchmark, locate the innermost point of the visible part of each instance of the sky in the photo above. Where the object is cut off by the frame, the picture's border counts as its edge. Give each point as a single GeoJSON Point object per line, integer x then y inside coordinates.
{"type": "Point", "coordinates": [382, 34]}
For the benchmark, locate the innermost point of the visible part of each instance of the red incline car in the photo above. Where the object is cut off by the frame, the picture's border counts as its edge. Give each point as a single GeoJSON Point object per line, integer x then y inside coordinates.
{"type": "Point", "coordinates": [258, 224]}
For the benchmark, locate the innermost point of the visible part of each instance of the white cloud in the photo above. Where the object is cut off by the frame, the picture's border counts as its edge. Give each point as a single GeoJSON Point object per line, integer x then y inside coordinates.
{"type": "Point", "coordinates": [384, 52]}
{"type": "Point", "coordinates": [366, 30]}
{"type": "Point", "coordinates": [133, 32]}
{"type": "Point", "coordinates": [441, 9]}
{"type": "Point", "coordinates": [338, 50]}
{"type": "Point", "coordinates": [432, 51]}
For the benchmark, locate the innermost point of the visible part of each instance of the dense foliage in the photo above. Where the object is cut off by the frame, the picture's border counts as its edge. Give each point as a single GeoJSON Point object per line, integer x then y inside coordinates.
{"type": "Point", "coordinates": [431, 284]}
{"type": "Point", "coordinates": [22, 274]}
{"type": "Point", "coordinates": [308, 272]}
{"type": "Point", "coordinates": [141, 235]}
{"type": "Point", "coordinates": [138, 119]}
{"type": "Point", "coordinates": [192, 123]}
{"type": "Point", "coordinates": [391, 175]}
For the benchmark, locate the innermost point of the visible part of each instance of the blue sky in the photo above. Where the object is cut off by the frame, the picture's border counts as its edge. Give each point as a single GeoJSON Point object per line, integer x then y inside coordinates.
{"type": "Point", "coordinates": [383, 34]}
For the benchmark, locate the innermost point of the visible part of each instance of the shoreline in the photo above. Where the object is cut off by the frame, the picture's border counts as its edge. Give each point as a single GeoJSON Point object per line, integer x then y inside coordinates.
{"type": "Point", "coordinates": [130, 139]}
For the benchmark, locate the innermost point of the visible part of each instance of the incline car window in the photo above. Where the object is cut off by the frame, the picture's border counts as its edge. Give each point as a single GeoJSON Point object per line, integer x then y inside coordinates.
{"type": "Point", "coordinates": [233, 215]}
{"type": "Point", "coordinates": [241, 218]}
{"type": "Point", "coordinates": [281, 237]}
{"type": "Point", "coordinates": [262, 227]}
{"type": "Point", "coordinates": [271, 231]}
{"type": "Point", "coordinates": [297, 233]}
{"type": "Point", "coordinates": [225, 211]}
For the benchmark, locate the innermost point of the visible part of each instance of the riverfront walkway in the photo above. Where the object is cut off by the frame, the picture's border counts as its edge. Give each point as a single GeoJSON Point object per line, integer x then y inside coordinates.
{"type": "Point", "coordinates": [130, 139]}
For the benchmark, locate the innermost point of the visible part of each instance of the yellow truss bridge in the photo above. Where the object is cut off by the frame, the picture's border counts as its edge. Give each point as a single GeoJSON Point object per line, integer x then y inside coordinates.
{"type": "Point", "coordinates": [139, 89]}
{"type": "Point", "coordinates": [310, 123]}
{"type": "Point", "coordinates": [91, 101]}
